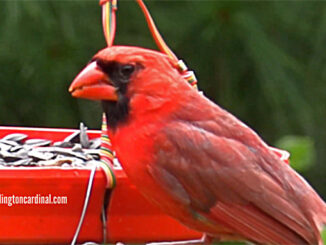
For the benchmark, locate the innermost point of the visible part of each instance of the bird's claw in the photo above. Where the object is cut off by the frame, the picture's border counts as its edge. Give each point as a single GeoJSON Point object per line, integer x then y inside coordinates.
{"type": "Point", "coordinates": [204, 240]}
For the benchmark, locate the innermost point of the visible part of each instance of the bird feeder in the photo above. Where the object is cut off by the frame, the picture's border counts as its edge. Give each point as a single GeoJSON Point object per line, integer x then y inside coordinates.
{"type": "Point", "coordinates": [128, 217]}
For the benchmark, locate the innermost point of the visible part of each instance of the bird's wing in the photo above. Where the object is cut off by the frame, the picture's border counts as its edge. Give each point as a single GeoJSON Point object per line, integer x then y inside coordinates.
{"type": "Point", "coordinates": [223, 180]}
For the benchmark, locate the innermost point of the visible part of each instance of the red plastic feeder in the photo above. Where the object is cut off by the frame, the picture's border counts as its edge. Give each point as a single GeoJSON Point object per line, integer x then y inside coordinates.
{"type": "Point", "coordinates": [130, 218]}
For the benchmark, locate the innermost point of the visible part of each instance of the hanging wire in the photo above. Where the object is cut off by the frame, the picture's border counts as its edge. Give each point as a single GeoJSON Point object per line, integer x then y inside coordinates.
{"type": "Point", "coordinates": [86, 201]}
{"type": "Point", "coordinates": [183, 69]}
{"type": "Point", "coordinates": [155, 33]}
{"type": "Point", "coordinates": [109, 8]}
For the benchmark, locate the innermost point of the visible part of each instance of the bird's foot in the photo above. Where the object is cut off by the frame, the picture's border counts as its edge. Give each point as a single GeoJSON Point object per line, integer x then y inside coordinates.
{"type": "Point", "coordinates": [203, 241]}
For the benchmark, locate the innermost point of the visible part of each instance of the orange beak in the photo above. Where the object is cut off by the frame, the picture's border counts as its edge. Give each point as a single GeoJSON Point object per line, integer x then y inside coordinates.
{"type": "Point", "coordinates": [92, 83]}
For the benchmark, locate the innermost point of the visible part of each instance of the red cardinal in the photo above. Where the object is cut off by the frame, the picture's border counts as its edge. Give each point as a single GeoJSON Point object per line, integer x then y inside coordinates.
{"type": "Point", "coordinates": [193, 159]}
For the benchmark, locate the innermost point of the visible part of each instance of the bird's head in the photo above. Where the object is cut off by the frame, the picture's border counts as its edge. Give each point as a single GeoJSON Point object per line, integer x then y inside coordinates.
{"type": "Point", "coordinates": [118, 75]}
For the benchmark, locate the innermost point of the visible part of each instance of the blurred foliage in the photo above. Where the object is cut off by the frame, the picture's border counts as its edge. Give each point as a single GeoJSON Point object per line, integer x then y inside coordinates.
{"type": "Point", "coordinates": [231, 243]}
{"type": "Point", "coordinates": [264, 61]}
{"type": "Point", "coordinates": [302, 151]}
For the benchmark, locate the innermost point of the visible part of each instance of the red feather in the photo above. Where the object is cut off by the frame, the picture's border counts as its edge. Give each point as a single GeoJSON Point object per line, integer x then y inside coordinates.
{"type": "Point", "coordinates": [202, 165]}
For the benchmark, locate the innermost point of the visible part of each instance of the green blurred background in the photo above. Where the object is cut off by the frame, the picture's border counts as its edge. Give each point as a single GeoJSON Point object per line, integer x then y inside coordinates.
{"type": "Point", "coordinates": [263, 61]}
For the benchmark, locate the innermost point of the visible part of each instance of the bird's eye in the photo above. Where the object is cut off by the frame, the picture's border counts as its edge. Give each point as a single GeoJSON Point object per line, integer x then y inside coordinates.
{"type": "Point", "coordinates": [127, 70]}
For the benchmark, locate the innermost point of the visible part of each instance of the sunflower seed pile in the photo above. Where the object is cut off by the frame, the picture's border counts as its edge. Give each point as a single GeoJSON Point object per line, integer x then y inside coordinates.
{"type": "Point", "coordinates": [76, 150]}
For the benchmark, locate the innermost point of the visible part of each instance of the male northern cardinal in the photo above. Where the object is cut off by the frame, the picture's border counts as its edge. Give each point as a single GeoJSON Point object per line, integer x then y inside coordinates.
{"type": "Point", "coordinates": [194, 160]}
